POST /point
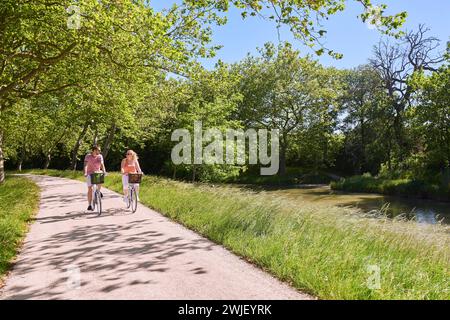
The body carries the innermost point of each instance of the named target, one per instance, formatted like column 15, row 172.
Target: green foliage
column 210, row 97
column 431, row 117
column 19, row 200
column 128, row 76
column 104, row 66
column 363, row 107
column 398, row 187
column 305, row 18
column 100, row 62
column 293, row 176
column 205, row 172
column 295, row 95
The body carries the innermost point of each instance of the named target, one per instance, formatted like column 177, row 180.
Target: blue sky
column 346, row 33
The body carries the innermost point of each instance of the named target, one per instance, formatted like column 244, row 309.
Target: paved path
column 121, row 255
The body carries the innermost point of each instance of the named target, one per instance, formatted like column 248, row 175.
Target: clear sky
column 346, row 33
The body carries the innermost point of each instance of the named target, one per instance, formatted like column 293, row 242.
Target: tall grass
column 19, row 199
column 325, row 251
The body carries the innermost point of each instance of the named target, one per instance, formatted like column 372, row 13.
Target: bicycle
column 133, row 180
column 96, row 179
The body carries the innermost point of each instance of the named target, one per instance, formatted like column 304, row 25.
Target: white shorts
column 88, row 180
column 125, row 181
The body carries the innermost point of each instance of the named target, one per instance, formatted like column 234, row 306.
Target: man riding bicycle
column 93, row 163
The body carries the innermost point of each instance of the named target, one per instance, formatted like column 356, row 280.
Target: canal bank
column 320, row 249
column 420, row 210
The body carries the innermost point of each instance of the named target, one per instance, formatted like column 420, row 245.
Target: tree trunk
column 324, row 154
column 48, row 156
column 174, row 172
column 76, row 147
column 21, row 158
column 47, row 160
column 389, row 159
column 399, row 132
column 19, row 165
column 362, row 165
column 283, row 148
column 282, row 161
column 95, row 140
column 109, row 140
column 2, row 168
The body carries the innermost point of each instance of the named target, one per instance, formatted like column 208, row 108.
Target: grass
column 19, row 199
column 324, row 251
column 397, row 187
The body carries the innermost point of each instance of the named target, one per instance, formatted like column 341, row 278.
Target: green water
column 422, row 211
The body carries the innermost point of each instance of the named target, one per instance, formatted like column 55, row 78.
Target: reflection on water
column 423, row 211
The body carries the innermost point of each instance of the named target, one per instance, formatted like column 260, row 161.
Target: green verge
column 293, row 176
column 325, row 251
column 397, row 187
column 19, row 200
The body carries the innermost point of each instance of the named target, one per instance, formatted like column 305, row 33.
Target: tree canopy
column 123, row 74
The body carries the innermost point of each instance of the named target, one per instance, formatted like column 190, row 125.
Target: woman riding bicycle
column 129, row 165
column 93, row 163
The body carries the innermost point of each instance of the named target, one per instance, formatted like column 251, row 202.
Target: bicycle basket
column 134, row 177
column 97, row 178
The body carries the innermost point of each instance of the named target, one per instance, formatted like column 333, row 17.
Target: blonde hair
column 135, row 156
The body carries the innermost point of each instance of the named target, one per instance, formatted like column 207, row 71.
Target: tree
column 362, row 103
column 395, row 63
column 431, row 117
column 210, row 97
column 43, row 48
column 286, row 92
column 40, row 53
column 304, row 17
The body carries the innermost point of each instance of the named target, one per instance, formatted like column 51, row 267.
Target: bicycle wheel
column 99, row 202
column 134, row 201
column 94, row 199
column 130, row 192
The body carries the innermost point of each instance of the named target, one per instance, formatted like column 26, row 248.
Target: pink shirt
column 93, row 163
column 129, row 168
